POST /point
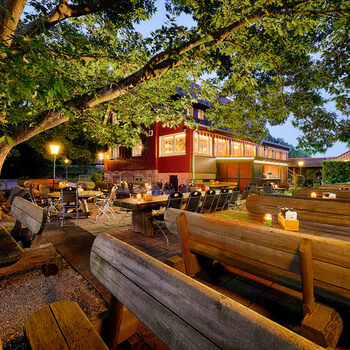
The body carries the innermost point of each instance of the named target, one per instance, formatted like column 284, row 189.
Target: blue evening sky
column 286, row 131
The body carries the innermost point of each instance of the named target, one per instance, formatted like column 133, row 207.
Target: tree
column 293, row 152
column 84, row 62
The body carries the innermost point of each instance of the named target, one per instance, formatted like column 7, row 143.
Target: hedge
column 335, row 172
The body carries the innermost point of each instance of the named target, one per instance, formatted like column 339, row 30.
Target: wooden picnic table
column 82, row 197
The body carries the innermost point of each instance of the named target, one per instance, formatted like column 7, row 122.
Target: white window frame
column 200, row 114
column 114, row 152
column 161, row 138
column 136, row 153
column 210, row 139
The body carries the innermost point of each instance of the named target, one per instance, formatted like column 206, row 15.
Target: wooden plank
column 324, row 249
column 183, row 313
column 327, row 212
column 10, row 251
column 75, row 327
column 36, row 330
column 29, row 214
column 32, row 257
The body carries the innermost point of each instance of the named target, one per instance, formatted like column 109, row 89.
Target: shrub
column 97, row 176
column 335, row 172
column 299, row 181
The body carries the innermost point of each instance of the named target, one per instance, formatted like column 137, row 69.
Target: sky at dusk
column 285, row 131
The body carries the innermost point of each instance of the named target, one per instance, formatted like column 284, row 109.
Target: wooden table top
column 85, row 194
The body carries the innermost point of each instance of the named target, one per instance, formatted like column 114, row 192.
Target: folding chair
column 232, row 202
column 104, row 204
column 244, row 196
column 193, row 201
column 69, row 200
column 168, row 188
column 208, row 201
column 221, row 202
column 253, row 187
column 49, row 203
column 156, row 191
column 174, row 201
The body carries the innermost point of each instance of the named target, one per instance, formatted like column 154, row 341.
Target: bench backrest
column 29, row 214
column 321, row 211
column 306, row 193
column 269, row 252
column 182, row 312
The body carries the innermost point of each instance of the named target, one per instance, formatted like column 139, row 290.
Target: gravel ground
column 24, row 293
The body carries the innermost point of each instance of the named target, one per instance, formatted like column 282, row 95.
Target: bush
column 97, row 176
column 335, row 172
column 299, row 181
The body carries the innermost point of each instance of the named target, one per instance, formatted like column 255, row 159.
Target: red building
column 181, row 155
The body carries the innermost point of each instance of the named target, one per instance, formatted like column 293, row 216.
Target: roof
column 309, row 162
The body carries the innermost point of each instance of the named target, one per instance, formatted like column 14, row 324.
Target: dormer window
column 200, row 114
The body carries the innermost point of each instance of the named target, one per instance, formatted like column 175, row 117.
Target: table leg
column 85, row 206
column 141, row 222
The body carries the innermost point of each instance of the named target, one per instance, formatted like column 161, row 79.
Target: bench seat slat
column 69, row 329
column 10, row 251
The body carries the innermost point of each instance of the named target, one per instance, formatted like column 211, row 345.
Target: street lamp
column 54, row 149
column 66, row 161
column 101, row 157
column 300, row 163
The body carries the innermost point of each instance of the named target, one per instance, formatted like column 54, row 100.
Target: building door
column 174, row 181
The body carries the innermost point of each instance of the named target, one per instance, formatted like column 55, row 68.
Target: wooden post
column 112, row 323
column 191, row 263
column 307, row 276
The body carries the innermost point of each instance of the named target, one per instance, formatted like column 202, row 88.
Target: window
column 221, row 147
column 174, row 144
column 250, row 150
column 190, row 112
column 283, row 155
column 236, row 149
column 261, row 151
column 114, row 152
column 202, row 145
column 137, row 149
column 200, row 114
column 269, row 153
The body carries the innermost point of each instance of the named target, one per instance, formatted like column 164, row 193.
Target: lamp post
column 54, row 149
column 66, row 161
column 300, row 163
column 101, row 157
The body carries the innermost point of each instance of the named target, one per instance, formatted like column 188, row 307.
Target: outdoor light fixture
column 301, row 163
column 54, row 149
column 313, row 195
column 100, row 157
column 66, row 161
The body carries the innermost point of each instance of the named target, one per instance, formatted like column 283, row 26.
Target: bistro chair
column 221, row 202
column 183, row 188
column 244, row 196
column 104, row 204
column 208, row 201
column 160, row 185
column 168, row 188
column 69, row 200
column 193, row 201
column 253, row 187
column 156, row 191
column 267, row 188
column 233, row 200
column 174, row 201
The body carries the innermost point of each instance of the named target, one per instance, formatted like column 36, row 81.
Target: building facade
column 182, row 155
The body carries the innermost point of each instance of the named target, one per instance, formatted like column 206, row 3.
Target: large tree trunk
column 5, row 206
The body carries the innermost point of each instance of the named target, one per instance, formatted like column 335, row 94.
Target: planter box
column 288, row 225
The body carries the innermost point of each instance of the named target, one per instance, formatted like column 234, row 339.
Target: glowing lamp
column 54, row 149
column 313, row 195
column 100, row 156
column 300, row 162
column 268, row 219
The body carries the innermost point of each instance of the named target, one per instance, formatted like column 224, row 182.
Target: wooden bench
column 180, row 311
column 14, row 258
column 320, row 211
column 306, row 193
column 311, row 264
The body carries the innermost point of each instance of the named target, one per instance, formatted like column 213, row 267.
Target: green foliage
column 97, row 176
column 293, row 152
column 335, row 172
column 299, row 181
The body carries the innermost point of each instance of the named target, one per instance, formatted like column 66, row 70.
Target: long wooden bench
column 179, row 310
column 313, row 210
column 314, row 265
column 28, row 228
column 341, row 195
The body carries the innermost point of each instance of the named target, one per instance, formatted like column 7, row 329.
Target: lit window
column 114, row 152
column 190, row 112
column 283, row 155
column 202, row 145
column 200, row 114
column 236, row 149
column 250, row 150
column 221, row 147
column 137, row 149
column 173, row 144
column 269, row 153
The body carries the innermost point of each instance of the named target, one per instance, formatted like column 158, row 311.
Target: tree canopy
column 84, row 61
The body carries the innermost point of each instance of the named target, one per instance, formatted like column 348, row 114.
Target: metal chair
column 104, row 204
column 267, row 188
column 193, row 201
column 221, row 202
column 45, row 202
column 168, row 188
column 174, row 201
column 244, row 196
column 156, row 191
column 208, row 201
column 69, row 200
column 253, row 187
column 232, row 202
column 183, row 188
